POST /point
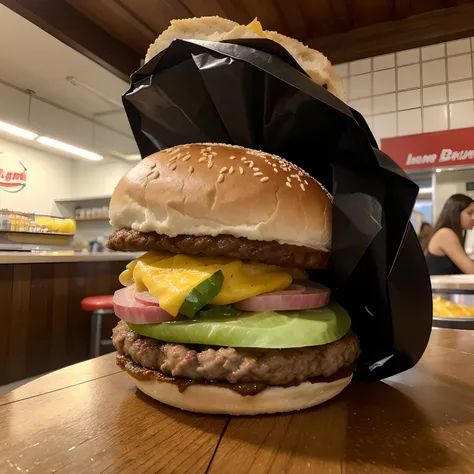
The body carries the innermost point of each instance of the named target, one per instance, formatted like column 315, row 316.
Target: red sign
column 12, row 177
column 432, row 150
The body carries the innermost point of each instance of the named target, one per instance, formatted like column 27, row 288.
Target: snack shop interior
column 73, row 124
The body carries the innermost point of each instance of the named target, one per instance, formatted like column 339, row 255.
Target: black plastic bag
column 252, row 93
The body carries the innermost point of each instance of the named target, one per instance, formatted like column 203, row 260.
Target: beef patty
column 235, row 365
column 271, row 253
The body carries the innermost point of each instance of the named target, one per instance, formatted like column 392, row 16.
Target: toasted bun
column 220, row 400
column 214, row 28
column 216, row 189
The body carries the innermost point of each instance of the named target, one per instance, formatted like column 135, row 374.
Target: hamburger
column 215, row 28
column 219, row 315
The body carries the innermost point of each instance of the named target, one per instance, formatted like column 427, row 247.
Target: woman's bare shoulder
column 445, row 232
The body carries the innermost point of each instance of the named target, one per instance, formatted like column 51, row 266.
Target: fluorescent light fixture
column 438, row 170
column 20, row 132
column 426, row 190
column 69, row 148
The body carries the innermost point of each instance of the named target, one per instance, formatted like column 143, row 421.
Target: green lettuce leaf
column 271, row 329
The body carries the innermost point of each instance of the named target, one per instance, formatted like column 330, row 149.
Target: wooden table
column 89, row 418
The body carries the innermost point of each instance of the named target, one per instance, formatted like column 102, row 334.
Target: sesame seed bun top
column 214, row 189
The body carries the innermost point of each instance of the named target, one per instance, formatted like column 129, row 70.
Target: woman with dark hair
column 446, row 254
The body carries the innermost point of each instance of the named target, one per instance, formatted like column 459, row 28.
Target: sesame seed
column 223, row 170
column 231, row 157
column 186, row 157
column 306, row 182
column 258, row 173
column 214, row 153
column 298, row 178
column 302, row 186
column 209, row 156
column 275, row 169
column 241, row 170
column 244, row 158
column 209, row 165
column 202, row 160
column 203, row 150
column 231, row 170
column 173, row 166
column 265, row 179
column 250, row 163
column 288, row 179
column 288, row 184
column 294, row 175
column 274, row 165
column 256, row 169
column 209, row 148
column 220, row 178
column 191, row 170
column 173, row 158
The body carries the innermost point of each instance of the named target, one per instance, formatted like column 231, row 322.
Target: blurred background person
column 425, row 234
column 445, row 251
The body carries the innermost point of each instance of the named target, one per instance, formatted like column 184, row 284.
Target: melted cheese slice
column 170, row 278
column 256, row 27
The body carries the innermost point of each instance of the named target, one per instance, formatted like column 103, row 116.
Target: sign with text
column 12, row 175
column 448, row 148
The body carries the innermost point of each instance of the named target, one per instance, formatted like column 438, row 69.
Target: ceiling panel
column 157, row 14
column 368, row 12
column 115, row 18
column 340, row 25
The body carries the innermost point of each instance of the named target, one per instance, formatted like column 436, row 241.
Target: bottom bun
column 220, row 400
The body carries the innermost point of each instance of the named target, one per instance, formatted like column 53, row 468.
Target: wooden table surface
column 89, row 418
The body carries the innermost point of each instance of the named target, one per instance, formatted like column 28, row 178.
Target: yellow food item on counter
column 54, row 224
column 447, row 309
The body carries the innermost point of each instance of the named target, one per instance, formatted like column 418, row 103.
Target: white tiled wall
column 418, row 90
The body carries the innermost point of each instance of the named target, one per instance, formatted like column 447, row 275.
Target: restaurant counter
column 61, row 256
column 42, row 325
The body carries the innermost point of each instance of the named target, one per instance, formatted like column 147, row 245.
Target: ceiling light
column 438, row 170
column 69, row 148
column 20, row 132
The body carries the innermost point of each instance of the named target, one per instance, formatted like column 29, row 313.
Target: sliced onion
column 146, row 298
column 314, row 296
column 126, row 307
column 291, row 290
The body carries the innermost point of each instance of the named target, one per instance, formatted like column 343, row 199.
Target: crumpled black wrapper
column 253, row 93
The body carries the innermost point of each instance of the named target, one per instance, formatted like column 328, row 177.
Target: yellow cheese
column 170, row 278
column 256, row 27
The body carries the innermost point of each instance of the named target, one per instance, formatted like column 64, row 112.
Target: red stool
column 99, row 305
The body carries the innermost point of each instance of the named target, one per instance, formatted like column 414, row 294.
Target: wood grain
column 43, row 326
column 63, row 378
column 89, row 418
column 104, row 426
column 116, row 33
column 395, row 35
column 79, row 32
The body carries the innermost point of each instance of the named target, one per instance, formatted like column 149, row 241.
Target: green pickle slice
column 270, row 329
column 201, row 294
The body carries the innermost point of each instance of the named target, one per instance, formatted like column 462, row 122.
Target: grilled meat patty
column 271, row 366
column 271, row 253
